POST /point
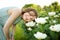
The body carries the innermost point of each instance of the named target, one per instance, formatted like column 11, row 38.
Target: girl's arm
column 9, row 22
column 13, row 31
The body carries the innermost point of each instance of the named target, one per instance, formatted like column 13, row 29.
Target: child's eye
column 31, row 14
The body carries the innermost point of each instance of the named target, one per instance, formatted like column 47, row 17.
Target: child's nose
column 31, row 17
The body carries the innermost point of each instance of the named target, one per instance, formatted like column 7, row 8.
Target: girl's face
column 29, row 16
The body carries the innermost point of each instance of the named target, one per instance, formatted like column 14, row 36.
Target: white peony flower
column 30, row 24
column 40, row 35
column 54, row 21
column 56, row 15
column 41, row 20
column 46, row 17
column 29, row 29
column 55, row 28
column 51, row 13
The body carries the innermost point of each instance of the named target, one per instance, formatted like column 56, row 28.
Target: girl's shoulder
column 16, row 10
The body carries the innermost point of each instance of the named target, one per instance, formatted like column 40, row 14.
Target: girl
column 10, row 16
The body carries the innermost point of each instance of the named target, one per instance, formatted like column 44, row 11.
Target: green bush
column 22, row 34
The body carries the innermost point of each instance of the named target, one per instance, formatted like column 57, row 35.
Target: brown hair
column 28, row 10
